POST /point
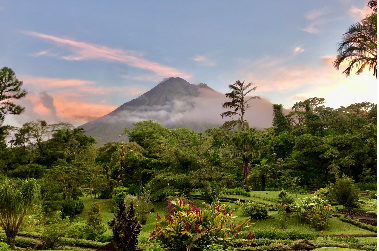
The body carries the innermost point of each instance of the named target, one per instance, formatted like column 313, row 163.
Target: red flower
column 187, row 226
column 230, row 213
column 248, row 236
column 325, row 218
column 342, row 234
column 158, row 216
column 221, row 225
column 180, row 202
column 251, row 237
column 218, row 208
column 322, row 232
column 198, row 229
column 239, row 229
column 223, row 235
column 200, row 219
column 282, row 203
column 291, row 212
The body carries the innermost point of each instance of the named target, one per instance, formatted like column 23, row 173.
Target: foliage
column 359, row 46
column 344, row 192
column 125, row 228
column 239, row 103
column 255, row 210
column 236, row 191
column 95, row 226
column 10, row 89
column 285, row 198
column 119, row 193
column 55, row 228
column 70, row 208
column 313, row 210
column 323, row 193
column 274, row 234
column 217, row 247
column 17, row 198
column 189, row 228
column 4, row 246
column 142, row 205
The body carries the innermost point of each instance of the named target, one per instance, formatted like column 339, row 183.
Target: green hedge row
column 358, row 224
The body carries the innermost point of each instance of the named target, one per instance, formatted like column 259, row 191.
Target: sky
column 80, row 60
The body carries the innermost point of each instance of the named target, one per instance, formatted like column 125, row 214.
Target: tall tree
column 10, row 89
column 239, row 103
column 359, row 45
column 17, row 197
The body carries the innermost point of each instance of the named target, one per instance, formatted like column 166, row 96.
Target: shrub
column 4, row 246
column 217, row 247
column 54, row 231
column 284, row 197
column 70, row 208
column 188, row 228
column 119, row 193
column 274, row 234
column 255, row 210
column 211, row 191
column 76, row 230
column 236, row 191
column 313, row 210
column 323, row 193
column 142, row 205
column 95, row 226
column 344, row 192
column 125, row 228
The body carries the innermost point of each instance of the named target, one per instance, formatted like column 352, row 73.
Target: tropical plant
column 313, row 210
column 255, row 210
column 95, row 226
column 192, row 228
column 17, row 198
column 125, row 228
column 239, row 103
column 359, row 45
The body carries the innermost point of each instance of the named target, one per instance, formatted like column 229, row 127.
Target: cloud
column 202, row 110
column 298, row 49
column 203, row 60
column 44, row 82
column 323, row 80
column 48, row 102
column 59, row 107
column 359, row 14
column 149, row 77
column 317, row 13
column 85, row 51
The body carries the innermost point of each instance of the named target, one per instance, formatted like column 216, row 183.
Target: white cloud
column 298, row 49
column 203, row 60
column 317, row 13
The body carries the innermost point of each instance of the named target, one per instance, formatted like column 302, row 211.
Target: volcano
column 173, row 103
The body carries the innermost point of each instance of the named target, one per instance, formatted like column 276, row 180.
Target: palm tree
column 359, row 45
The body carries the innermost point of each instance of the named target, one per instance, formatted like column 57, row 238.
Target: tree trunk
column 245, row 169
column 11, row 239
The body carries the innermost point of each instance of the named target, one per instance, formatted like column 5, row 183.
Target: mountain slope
column 174, row 103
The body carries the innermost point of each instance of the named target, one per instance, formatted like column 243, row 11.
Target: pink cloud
column 203, row 60
column 359, row 14
column 54, row 82
column 86, row 51
column 317, row 13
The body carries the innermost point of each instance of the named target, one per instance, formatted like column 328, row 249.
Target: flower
column 342, row 234
column 322, row 232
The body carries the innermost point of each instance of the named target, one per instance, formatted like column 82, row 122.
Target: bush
column 125, row 228
column 344, row 192
column 76, row 230
column 55, row 228
column 119, row 193
column 236, row 191
column 255, row 210
column 187, row 228
column 4, row 246
column 282, row 235
column 284, row 197
column 70, row 208
column 95, row 226
column 217, row 247
column 323, row 193
column 211, row 191
column 313, row 210
column 142, row 203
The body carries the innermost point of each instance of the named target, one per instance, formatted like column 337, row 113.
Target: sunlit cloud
column 317, row 13
column 43, row 53
column 298, row 49
column 86, row 51
column 203, row 60
column 359, row 14
column 323, row 80
column 43, row 82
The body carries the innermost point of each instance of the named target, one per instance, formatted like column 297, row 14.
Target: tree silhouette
column 359, row 45
column 239, row 103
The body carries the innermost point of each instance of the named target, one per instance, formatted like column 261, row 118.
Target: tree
column 239, row 103
column 10, row 89
column 359, row 45
column 17, row 198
